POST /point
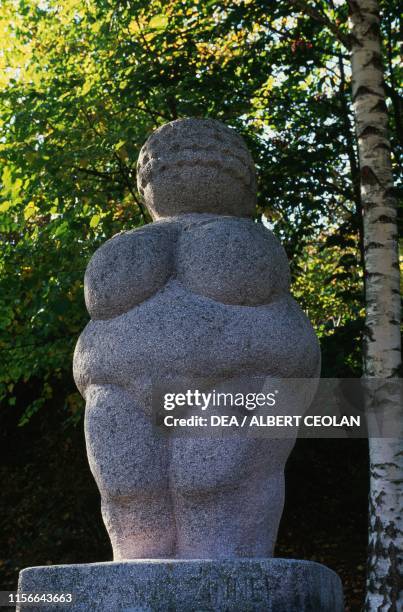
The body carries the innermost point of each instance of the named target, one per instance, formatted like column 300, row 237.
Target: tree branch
column 319, row 16
column 123, row 169
column 106, row 176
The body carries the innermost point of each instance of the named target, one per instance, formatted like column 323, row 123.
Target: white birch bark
column 382, row 335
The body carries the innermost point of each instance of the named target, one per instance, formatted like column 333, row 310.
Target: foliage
column 328, row 285
column 85, row 81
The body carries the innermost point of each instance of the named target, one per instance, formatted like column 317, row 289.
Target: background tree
column 382, row 355
column 83, row 86
column 380, row 260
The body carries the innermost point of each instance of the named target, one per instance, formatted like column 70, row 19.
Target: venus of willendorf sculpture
column 203, row 291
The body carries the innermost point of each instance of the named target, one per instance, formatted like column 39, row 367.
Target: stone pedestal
column 244, row 585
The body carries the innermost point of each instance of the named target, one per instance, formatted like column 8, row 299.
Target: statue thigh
column 130, row 465
column 228, row 495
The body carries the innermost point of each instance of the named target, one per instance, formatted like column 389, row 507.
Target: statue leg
column 228, row 496
column 130, row 465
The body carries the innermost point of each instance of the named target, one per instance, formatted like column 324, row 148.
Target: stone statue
column 203, row 291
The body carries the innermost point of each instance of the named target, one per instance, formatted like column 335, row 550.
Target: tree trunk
column 382, row 335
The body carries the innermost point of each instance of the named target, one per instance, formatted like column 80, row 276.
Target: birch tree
column 382, row 358
column 382, row 343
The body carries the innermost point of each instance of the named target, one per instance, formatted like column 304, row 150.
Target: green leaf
column 4, row 206
column 158, row 22
column 119, row 145
column 95, row 219
column 61, row 230
column 30, row 210
column 86, row 87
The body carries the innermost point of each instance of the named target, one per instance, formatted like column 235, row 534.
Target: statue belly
column 180, row 334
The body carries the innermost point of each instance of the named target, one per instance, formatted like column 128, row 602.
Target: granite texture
column 196, row 165
column 267, row 585
column 193, row 295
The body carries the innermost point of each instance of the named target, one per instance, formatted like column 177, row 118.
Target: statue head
column 196, row 166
